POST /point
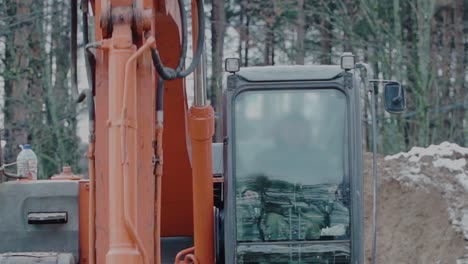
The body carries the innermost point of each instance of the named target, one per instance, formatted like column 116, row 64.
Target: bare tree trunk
column 37, row 84
column 434, row 93
column 446, row 51
column 218, row 28
column 410, row 39
column 459, row 89
column 425, row 11
column 365, row 109
column 325, row 42
column 267, row 53
column 350, row 6
column 241, row 28
column 18, row 80
column 59, row 99
column 300, row 33
column 247, row 39
column 37, row 130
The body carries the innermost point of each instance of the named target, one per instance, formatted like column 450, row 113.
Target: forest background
column 422, row 43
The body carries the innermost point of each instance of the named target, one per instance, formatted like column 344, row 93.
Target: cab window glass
column 290, row 165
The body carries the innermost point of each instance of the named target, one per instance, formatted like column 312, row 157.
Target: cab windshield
column 291, row 168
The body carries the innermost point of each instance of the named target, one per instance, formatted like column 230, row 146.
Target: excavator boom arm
column 144, row 179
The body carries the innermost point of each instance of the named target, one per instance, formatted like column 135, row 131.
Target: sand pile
column 423, row 210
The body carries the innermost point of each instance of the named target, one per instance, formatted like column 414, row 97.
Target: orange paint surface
column 177, row 207
column 84, row 225
column 201, row 127
column 176, row 211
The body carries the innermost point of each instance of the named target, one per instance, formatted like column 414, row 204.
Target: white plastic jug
column 27, row 163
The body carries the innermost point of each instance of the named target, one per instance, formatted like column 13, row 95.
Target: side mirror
column 394, row 98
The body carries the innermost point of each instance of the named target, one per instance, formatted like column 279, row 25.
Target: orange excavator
column 284, row 186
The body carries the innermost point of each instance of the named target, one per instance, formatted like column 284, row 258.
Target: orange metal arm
column 146, row 207
column 92, row 203
column 120, row 43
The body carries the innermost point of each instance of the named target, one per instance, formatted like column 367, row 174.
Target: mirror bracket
column 394, row 94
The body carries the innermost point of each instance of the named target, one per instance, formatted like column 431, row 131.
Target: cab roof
column 290, row 73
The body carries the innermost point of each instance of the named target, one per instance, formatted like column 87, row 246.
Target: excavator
column 283, row 186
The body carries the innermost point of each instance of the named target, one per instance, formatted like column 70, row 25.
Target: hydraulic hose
column 84, row 7
column 160, row 94
column 74, row 48
column 183, row 55
column 168, row 73
column 90, row 60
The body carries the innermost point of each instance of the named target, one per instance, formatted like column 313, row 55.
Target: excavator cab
column 293, row 170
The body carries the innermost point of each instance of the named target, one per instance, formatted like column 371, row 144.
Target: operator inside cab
column 291, row 166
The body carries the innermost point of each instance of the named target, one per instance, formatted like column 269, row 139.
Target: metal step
column 170, row 246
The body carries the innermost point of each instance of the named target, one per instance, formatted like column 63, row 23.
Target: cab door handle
column 42, row 218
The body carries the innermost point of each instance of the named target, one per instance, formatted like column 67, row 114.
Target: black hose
column 74, row 47
column 200, row 40
column 183, row 54
column 84, row 8
column 165, row 72
column 160, row 95
column 90, row 59
column 168, row 73
column 91, row 114
column 90, row 62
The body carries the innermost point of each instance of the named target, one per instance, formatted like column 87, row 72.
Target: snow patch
column 463, row 260
column 464, row 224
column 410, row 178
column 452, row 165
column 463, row 180
column 445, row 149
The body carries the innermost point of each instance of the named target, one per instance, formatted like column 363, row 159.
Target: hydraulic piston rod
column 201, row 129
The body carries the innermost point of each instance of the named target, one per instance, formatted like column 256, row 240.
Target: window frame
column 346, row 169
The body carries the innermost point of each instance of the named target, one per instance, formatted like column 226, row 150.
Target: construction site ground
column 423, row 206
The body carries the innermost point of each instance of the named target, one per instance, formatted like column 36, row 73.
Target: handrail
column 150, row 43
column 3, row 172
column 189, row 256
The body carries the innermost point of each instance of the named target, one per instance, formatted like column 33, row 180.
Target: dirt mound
column 423, row 206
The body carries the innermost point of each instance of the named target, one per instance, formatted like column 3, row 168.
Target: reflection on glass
column 290, row 166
